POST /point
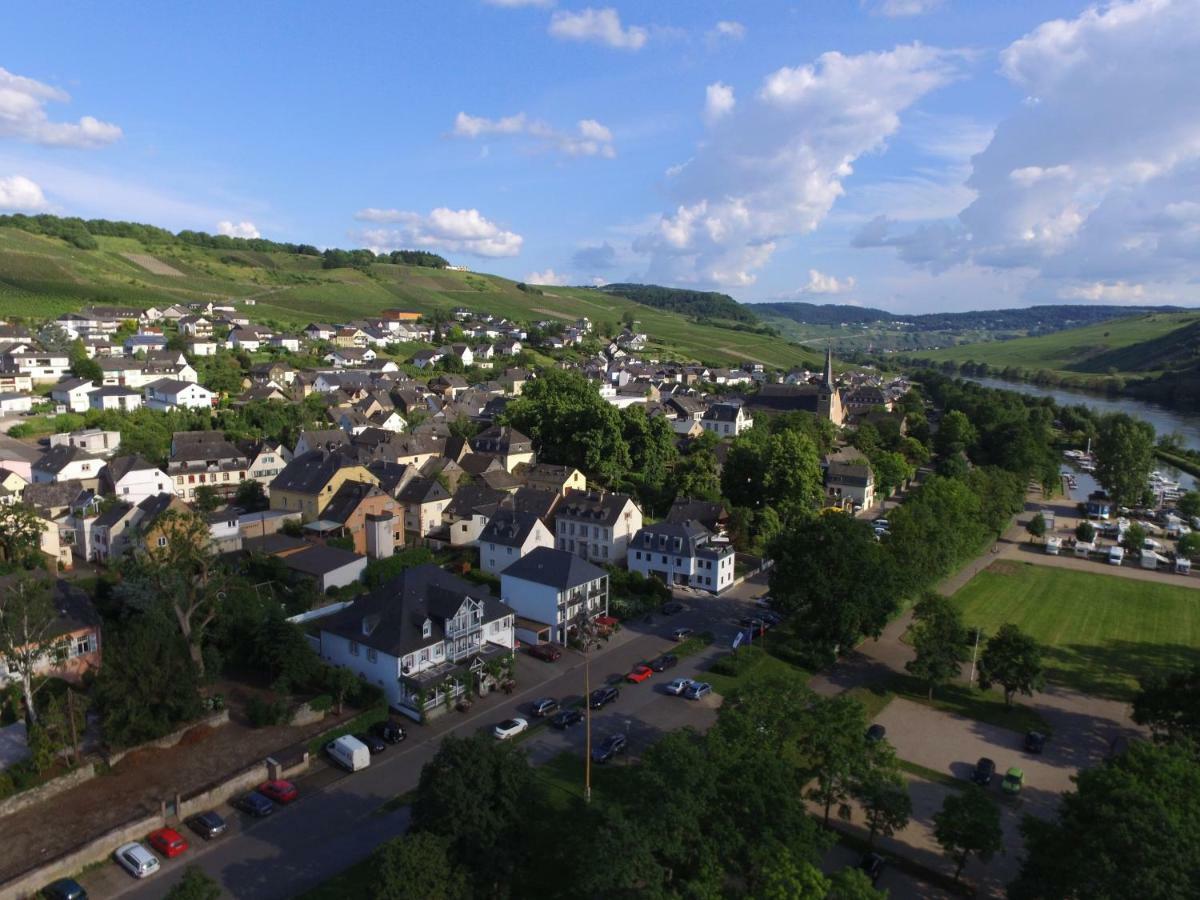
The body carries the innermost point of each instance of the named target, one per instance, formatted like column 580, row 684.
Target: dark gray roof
column 722, row 412
column 509, row 528
column 501, row 439
column 704, row 511
column 11, row 448
column 59, row 495
column 422, row 490
column 318, row 560
column 347, row 499
column 474, row 498
column 593, row 507
column 113, row 514
column 311, row 471
column 555, row 568
column 58, row 458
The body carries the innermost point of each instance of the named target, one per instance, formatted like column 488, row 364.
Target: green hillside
column 1143, row 343
column 43, row 276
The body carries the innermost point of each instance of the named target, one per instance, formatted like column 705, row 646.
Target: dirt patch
column 557, row 315
column 152, row 265
column 1006, row 567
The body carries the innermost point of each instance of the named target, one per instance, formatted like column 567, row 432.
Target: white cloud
column 549, row 276
column 776, row 165
column 19, row 193
column 602, row 26
column 1081, row 184
column 23, row 116
column 516, row 4
column 590, row 138
column 820, row 283
column 241, row 229
column 453, row 230
column 718, row 101
column 726, row 30
column 1101, row 292
column 895, row 9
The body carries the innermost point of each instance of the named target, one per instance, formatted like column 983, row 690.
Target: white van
column 1083, row 549
column 1150, row 559
column 349, row 752
column 1116, row 556
column 1053, row 546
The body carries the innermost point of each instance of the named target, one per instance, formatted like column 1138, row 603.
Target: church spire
column 829, row 367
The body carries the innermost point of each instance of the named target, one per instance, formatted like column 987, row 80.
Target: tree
column 250, row 496
column 1037, row 526
column 939, row 638
column 1189, row 504
column 206, row 498
column 1189, row 545
column 885, row 802
column 195, row 885
column 968, row 824
column 832, row 745
column 891, row 471
column 1130, row 829
column 418, row 866
column 1134, row 538
column 340, row 682
column 1124, row 457
column 29, row 634
column 1170, row 705
column 1012, row 660
column 182, row 571
column 1085, row 532
column 695, row 476
column 83, row 366
column 64, row 721
column 652, row 451
column 20, row 535
column 853, row 884
column 955, row 435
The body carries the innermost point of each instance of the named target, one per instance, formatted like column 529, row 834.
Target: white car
column 509, row 728
column 136, row 860
column 678, row 686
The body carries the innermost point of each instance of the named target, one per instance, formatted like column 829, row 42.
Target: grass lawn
column 1100, row 633
column 766, row 668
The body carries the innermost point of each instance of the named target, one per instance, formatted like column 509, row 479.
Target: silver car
column 698, row 689
column 679, row 686
column 136, row 860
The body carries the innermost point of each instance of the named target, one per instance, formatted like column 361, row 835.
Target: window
column 427, row 629
column 125, row 490
column 354, row 648
column 509, row 549
column 162, row 541
column 84, row 644
column 425, row 655
column 371, row 654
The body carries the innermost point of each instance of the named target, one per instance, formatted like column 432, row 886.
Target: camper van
column 1150, row 559
column 1084, row 549
column 1183, row 565
column 1116, row 555
column 1053, row 546
column 349, row 752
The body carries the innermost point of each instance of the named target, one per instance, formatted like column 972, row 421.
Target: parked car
column 1035, row 742
column 682, row 634
column 389, row 731
column 208, row 825
column 664, row 662
column 763, row 602
column 639, row 673
column 603, row 696
column 373, row 742
column 254, row 804
column 509, row 728
column 545, row 652
column 168, row 842
column 565, row 718
column 771, row 618
column 671, row 607
column 136, row 860
column 697, row 689
column 881, row 523
column 279, row 791
column 1014, row 778
column 875, row 734
column 679, row 686
column 546, row 706
column 872, row 865
column 983, row 772
column 608, row 748
column 64, row 889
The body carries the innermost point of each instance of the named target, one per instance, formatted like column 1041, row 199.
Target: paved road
column 337, row 820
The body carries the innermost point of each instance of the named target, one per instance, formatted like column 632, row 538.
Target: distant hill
column 49, row 266
column 706, row 304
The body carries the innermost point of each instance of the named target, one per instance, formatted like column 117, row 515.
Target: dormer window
column 427, row 629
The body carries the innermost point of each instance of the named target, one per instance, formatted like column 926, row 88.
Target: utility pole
column 974, row 655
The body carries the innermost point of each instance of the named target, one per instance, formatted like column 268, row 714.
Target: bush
column 364, row 695
column 321, row 703
column 739, row 662
column 263, row 713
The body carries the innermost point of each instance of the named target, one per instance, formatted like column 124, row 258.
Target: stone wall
column 17, row 802
column 214, row 721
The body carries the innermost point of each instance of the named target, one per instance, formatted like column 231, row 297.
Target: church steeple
column 828, row 382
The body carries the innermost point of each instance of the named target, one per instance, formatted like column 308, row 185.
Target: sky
column 914, row 155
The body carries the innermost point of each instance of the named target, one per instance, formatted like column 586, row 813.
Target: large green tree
column 652, row 452
column 195, row 885
column 1124, row 457
column 1129, row 831
column 1169, row 705
column 1013, row 660
column 939, row 638
column 418, row 866
column 20, row 535
column 967, row 825
column 833, row 748
column 29, row 633
column 883, row 795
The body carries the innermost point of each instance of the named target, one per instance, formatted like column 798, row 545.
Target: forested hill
column 703, row 304
column 1032, row 320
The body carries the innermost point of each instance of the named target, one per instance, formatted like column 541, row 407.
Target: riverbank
column 1183, row 463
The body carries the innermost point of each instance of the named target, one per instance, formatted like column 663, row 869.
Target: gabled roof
column 509, row 528
column 309, row 472
column 347, row 499
column 592, row 506
column 554, row 568
column 113, row 514
column 471, row 499
column 58, row 458
column 123, row 465
column 422, row 490
column 703, row 511
column 722, row 412
column 501, row 439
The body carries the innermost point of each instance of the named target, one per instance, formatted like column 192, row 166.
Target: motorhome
column 1116, row 555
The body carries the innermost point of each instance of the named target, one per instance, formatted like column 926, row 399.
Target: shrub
column 263, row 713
column 739, row 662
column 321, row 703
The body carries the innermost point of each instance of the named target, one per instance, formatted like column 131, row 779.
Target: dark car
column 872, row 865
column 64, row 889
column 254, row 804
column 565, row 718
column 984, row 772
column 603, row 696
column 664, row 662
column 545, row 652
column 546, row 706
column 875, row 734
column 389, row 731
column 671, row 607
column 207, row 824
column 1035, row 742
column 608, row 748
column 373, row 742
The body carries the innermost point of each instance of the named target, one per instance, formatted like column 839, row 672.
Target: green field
column 43, row 276
column 1093, row 348
column 1101, row 633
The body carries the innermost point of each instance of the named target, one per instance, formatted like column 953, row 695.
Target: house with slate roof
column 551, row 592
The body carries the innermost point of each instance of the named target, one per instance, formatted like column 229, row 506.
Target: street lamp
column 584, row 629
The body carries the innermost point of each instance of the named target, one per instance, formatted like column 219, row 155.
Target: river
column 1164, row 420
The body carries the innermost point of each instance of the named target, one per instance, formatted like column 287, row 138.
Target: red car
column 640, row 673
column 282, row 792
column 545, row 652
column 168, row 842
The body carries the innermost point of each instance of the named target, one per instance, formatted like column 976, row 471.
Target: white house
column 202, row 346
column 726, row 419
column 596, row 525
column 424, row 638
column 683, row 553
column 42, row 366
column 133, row 479
column 119, row 398
column 73, row 393
column 15, row 404
column 64, row 462
column 167, row 393
column 509, row 536
column 93, row 440
column 550, row 591
column 849, row 480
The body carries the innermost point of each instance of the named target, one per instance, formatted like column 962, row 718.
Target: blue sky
column 911, row 154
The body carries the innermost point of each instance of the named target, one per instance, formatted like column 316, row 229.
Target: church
column 823, row 398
